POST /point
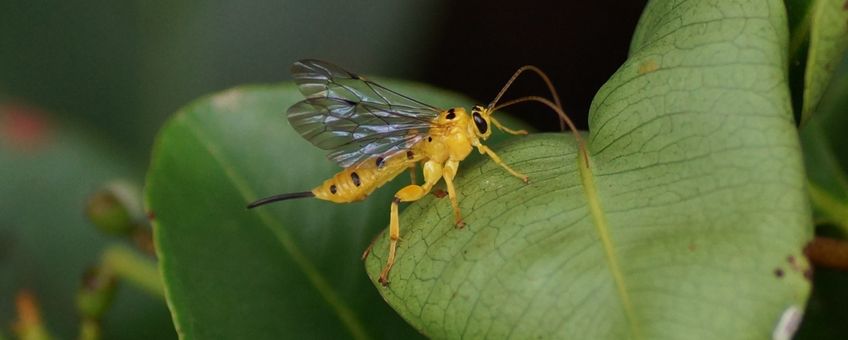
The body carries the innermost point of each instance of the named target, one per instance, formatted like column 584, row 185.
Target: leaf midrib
column 345, row 314
column 602, row 228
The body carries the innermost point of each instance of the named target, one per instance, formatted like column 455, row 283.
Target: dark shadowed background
column 123, row 67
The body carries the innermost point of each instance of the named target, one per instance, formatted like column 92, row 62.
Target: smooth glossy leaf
column 688, row 223
column 288, row 270
column 48, row 169
column 828, row 44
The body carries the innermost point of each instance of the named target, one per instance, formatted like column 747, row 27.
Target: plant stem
column 835, row 211
column 828, row 252
column 136, row 269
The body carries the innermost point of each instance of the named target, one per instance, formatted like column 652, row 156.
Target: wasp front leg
column 506, row 129
column 410, row 193
column 485, row 150
column 448, row 174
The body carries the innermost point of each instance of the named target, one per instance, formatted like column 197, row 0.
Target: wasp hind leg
column 410, row 193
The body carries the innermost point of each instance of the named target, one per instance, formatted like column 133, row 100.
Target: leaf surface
column 688, row 222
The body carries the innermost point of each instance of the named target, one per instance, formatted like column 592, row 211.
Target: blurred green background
column 84, row 85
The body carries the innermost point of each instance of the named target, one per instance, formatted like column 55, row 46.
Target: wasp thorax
column 451, row 114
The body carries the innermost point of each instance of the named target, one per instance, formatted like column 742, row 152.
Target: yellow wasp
column 375, row 134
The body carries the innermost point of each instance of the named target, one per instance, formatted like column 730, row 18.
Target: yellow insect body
column 357, row 182
column 447, row 140
column 376, row 134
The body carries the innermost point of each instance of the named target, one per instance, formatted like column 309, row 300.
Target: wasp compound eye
column 481, row 124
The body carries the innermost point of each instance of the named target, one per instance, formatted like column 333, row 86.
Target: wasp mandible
column 375, row 134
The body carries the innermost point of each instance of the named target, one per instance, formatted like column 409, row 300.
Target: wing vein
column 352, row 117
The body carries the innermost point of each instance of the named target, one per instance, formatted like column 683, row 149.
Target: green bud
column 115, row 209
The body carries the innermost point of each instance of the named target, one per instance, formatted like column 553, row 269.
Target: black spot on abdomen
column 355, row 177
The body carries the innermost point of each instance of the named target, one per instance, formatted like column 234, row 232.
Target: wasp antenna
column 492, row 105
column 280, row 197
column 517, row 73
column 558, row 109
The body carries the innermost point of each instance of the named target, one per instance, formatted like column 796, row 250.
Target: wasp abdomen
column 359, row 181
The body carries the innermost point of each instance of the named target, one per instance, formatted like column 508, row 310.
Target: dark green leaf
column 828, row 44
column 289, row 270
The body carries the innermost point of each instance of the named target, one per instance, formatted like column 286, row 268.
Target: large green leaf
column 828, row 44
column 48, row 169
column 291, row 269
column 689, row 221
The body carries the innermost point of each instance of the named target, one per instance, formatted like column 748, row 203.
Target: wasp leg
column 412, row 174
column 410, row 193
column 371, row 245
column 485, row 150
column 506, row 129
column 449, row 173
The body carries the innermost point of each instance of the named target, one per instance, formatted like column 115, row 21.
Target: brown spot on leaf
column 778, row 272
column 648, row 66
column 692, row 246
column 151, row 216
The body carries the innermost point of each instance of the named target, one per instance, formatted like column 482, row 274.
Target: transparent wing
column 354, row 118
column 319, row 79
